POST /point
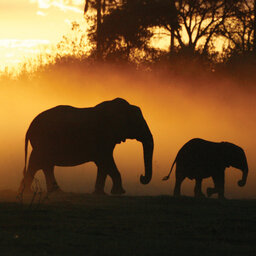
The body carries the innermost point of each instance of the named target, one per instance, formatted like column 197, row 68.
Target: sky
column 30, row 26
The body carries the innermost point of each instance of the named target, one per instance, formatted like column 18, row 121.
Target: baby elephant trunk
column 242, row 182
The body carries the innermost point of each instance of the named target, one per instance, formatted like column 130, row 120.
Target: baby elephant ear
column 225, row 154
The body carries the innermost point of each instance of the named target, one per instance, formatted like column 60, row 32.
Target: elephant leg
column 179, row 180
column 116, row 178
column 211, row 191
column 221, row 182
column 108, row 167
column 100, row 181
column 34, row 165
column 198, row 188
column 51, row 182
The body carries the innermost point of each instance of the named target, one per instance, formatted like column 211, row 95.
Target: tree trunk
column 172, row 40
column 172, row 29
column 254, row 27
column 98, row 32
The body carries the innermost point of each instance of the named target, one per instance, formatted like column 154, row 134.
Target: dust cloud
column 176, row 110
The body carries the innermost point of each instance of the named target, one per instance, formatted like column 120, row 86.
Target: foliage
column 194, row 26
column 125, row 30
column 200, row 21
column 238, row 29
column 74, row 43
column 127, row 27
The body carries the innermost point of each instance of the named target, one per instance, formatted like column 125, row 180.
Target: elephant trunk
column 148, row 147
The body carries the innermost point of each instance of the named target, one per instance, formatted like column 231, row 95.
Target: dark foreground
column 78, row 224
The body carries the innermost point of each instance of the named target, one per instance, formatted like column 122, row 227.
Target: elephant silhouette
column 199, row 159
column 69, row 136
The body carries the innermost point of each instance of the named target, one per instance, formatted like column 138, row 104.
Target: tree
column 126, row 29
column 123, row 28
column 200, row 21
column 254, row 26
column 239, row 28
column 192, row 24
column 100, row 6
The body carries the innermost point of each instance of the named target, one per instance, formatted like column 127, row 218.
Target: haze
column 175, row 109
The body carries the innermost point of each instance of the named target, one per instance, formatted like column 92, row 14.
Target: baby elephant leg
column 211, row 191
column 198, row 188
column 179, row 179
column 219, row 181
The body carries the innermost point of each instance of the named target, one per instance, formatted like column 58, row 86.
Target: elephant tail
column 26, row 153
column 168, row 176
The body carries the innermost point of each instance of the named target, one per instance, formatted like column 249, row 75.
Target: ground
column 82, row 224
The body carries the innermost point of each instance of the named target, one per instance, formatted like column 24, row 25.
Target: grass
column 82, row 224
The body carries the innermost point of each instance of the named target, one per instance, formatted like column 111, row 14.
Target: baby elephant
column 199, row 159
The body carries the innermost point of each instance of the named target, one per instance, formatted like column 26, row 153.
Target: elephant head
column 235, row 157
column 125, row 121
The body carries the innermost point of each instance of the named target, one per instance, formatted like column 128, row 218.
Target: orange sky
column 29, row 26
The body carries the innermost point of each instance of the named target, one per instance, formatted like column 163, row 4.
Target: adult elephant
column 69, row 136
column 199, row 159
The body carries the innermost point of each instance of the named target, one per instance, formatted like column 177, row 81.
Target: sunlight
column 174, row 111
column 18, row 43
column 99, row 98
column 62, row 5
column 17, row 51
column 185, row 112
column 40, row 13
column 38, row 41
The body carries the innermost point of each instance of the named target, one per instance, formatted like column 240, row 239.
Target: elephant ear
column 114, row 119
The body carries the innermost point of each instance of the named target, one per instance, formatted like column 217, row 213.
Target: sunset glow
column 174, row 112
column 31, row 27
column 176, row 108
column 127, row 127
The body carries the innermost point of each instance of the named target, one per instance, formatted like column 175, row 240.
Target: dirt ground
column 83, row 224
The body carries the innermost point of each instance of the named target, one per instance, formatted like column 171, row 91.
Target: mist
column 177, row 109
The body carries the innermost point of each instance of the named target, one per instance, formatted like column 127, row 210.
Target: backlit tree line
column 123, row 29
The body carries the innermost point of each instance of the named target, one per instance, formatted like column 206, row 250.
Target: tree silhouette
column 254, row 26
column 100, row 7
column 200, row 20
column 127, row 28
column 239, row 28
column 123, row 28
